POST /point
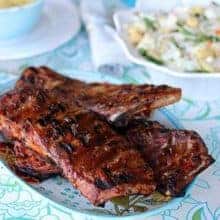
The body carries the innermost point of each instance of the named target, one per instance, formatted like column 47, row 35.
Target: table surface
column 17, row 202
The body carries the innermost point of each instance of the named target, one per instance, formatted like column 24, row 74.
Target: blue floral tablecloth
column 17, row 202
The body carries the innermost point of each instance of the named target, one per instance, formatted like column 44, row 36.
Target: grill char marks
column 78, row 141
column 26, row 162
column 116, row 103
column 176, row 156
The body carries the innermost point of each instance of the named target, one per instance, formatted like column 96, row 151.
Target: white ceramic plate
column 59, row 22
column 60, row 191
column 201, row 86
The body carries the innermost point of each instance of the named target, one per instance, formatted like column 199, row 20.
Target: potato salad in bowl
column 185, row 39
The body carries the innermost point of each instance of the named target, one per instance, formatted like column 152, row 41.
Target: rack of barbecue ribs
column 116, row 103
column 63, row 126
column 92, row 156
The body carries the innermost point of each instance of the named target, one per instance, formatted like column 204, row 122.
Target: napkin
column 97, row 16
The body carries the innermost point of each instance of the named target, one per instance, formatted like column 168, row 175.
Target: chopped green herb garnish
column 176, row 44
column 214, row 38
column 180, row 23
column 150, row 23
column 197, row 37
column 198, row 71
column 184, row 30
column 149, row 57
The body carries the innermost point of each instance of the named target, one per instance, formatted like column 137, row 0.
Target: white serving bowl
column 198, row 86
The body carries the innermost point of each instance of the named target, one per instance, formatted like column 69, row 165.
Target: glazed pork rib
column 94, row 158
column 173, row 171
column 27, row 163
column 176, row 156
column 116, row 103
column 168, row 182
